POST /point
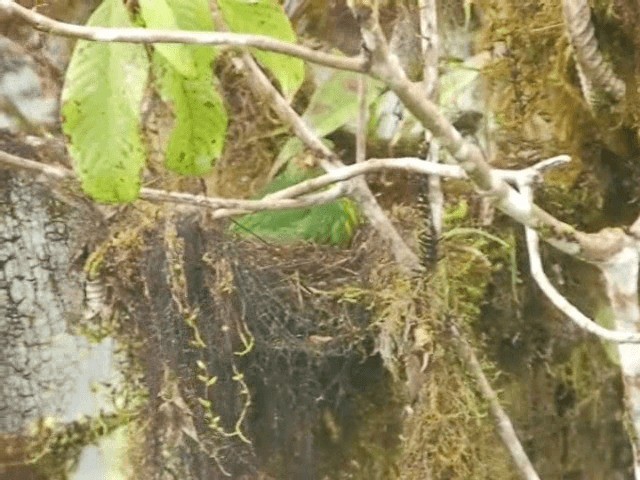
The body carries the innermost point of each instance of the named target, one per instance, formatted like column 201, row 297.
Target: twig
column 240, row 206
column 502, row 421
column 416, row 165
column 560, row 302
column 49, row 171
column 143, row 35
column 363, row 119
column 244, row 206
column 429, row 43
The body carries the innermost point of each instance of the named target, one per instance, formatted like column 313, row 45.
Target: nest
column 256, row 359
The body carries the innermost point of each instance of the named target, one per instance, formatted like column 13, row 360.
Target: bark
column 40, row 295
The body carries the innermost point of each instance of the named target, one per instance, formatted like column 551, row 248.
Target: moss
column 540, row 108
column 55, row 447
column 446, row 431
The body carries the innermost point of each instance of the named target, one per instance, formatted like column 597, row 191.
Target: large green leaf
column 101, row 98
column 193, row 15
column 333, row 223
column 332, row 105
column 335, row 102
column 200, row 124
column 267, row 17
column 158, row 14
column 200, row 117
column 454, row 85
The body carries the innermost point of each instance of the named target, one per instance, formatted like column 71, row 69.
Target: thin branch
column 341, row 174
column 49, row 171
column 429, row 43
column 344, row 173
column 244, row 206
column 560, row 302
column 363, row 119
column 144, row 35
column 416, row 165
column 239, row 206
column 502, row 421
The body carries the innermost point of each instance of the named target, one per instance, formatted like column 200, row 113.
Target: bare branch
column 244, row 206
column 363, row 118
column 560, row 302
column 49, row 171
column 239, row 206
column 416, row 165
column 502, row 421
column 429, row 43
column 410, row 164
column 144, row 35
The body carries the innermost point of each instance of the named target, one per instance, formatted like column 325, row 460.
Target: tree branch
column 429, row 44
column 336, row 175
column 558, row 300
column 144, row 35
column 241, row 206
column 502, row 421
column 362, row 121
column 283, row 201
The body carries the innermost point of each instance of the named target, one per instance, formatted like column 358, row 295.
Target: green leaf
column 332, row 105
column 335, row 102
column 267, row 17
column 101, row 98
column 191, row 15
column 158, row 14
column 197, row 138
column 453, row 85
column 294, row 147
column 200, row 119
column 333, row 223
